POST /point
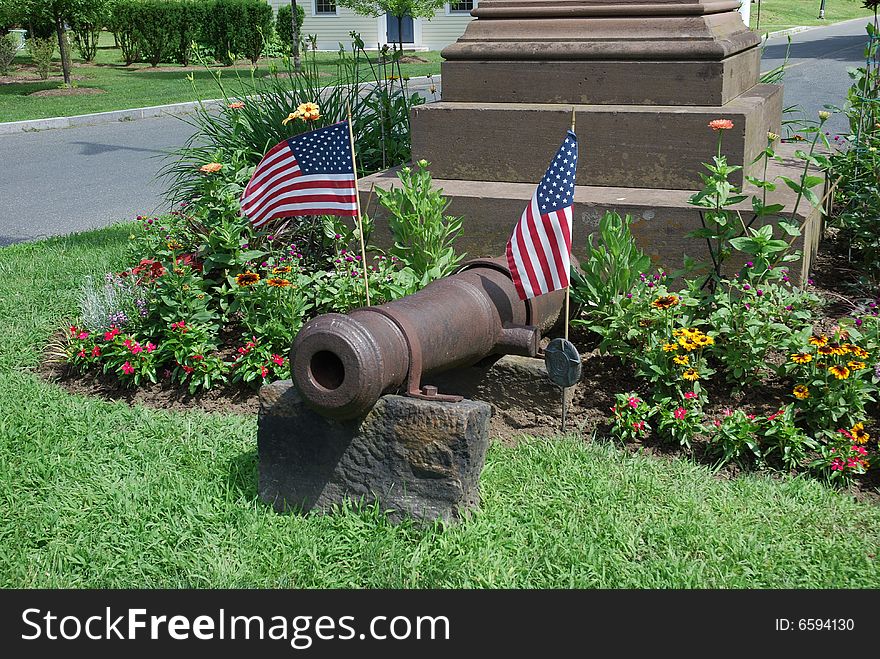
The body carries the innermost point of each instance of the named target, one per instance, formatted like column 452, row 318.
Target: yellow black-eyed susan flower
column 856, row 366
column 670, row 347
column 665, row 302
column 858, row 433
column 801, row 391
column 861, row 353
column 840, row 372
column 691, row 374
column 802, row 358
column 247, row 278
column 278, row 282
column 819, row 341
column 281, row 270
column 681, row 360
column 825, row 350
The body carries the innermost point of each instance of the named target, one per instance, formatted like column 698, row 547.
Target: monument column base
column 662, row 217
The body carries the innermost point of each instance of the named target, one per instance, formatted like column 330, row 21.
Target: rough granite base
column 419, row 459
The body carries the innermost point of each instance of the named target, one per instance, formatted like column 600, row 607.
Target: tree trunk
column 400, row 33
column 297, row 62
column 62, row 48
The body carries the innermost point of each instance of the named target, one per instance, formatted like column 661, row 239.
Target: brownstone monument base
column 662, row 217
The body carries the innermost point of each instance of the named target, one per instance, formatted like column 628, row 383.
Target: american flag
column 311, row 174
column 539, row 251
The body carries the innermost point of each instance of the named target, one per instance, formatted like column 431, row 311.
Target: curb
column 172, row 109
column 793, row 30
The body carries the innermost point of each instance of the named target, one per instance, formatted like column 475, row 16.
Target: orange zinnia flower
column 721, row 124
column 211, row 168
column 309, row 111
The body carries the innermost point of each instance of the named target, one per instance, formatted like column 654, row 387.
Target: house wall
column 433, row 34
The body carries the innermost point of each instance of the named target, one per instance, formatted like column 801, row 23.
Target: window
column 325, row 8
column 460, row 6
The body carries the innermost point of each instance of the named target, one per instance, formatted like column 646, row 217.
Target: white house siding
column 443, row 30
column 435, row 34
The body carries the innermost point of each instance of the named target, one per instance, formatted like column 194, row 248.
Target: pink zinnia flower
column 127, row 368
column 721, row 124
column 680, row 413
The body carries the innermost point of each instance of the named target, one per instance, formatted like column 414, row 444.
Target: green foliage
column 629, row 417
column 284, row 24
column 8, row 50
column 234, row 27
column 256, row 29
column 124, row 24
column 736, row 438
column 158, row 30
column 856, row 165
column 190, row 18
column 610, row 268
column 41, row 51
column 679, row 421
column 86, row 22
column 396, row 8
column 423, row 235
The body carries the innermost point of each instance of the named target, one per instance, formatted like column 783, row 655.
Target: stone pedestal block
column 636, row 146
column 419, row 459
column 518, row 389
column 662, row 217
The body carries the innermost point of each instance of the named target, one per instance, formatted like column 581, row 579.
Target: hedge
column 164, row 30
column 284, row 26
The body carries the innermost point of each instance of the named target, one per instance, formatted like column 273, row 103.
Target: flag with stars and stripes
column 310, row 174
column 539, row 251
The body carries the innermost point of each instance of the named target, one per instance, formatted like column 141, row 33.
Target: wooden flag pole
column 357, row 196
column 568, row 288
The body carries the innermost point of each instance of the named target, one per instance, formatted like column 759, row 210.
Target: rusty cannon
column 342, row 364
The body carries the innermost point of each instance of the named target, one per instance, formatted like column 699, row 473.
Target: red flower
column 680, row 413
column 264, row 371
column 278, row 359
column 198, row 358
column 690, row 395
column 150, row 346
column 861, row 450
column 83, row 335
column 112, row 334
column 837, row 464
column 136, row 348
column 187, row 369
column 721, row 124
column 180, row 325
column 82, row 354
column 96, row 351
column 639, row 425
column 73, row 330
column 127, row 368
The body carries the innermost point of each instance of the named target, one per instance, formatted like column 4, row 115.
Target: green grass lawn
column 139, row 85
column 784, row 14
column 100, row 494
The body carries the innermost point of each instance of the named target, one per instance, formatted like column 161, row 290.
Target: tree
column 58, row 14
column 397, row 8
column 288, row 29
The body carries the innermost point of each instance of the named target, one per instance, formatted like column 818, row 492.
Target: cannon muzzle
column 342, row 364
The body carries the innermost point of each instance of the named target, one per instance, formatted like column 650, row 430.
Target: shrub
column 255, row 30
column 86, row 22
column 190, row 18
column 630, row 417
column 158, row 29
column 41, row 51
column 8, row 50
column 124, row 24
column 284, row 26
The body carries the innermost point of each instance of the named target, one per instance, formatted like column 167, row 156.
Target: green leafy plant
column 785, row 443
column 609, row 270
column 8, row 51
column 629, row 417
column 423, row 236
column 41, row 50
column 679, row 421
column 735, row 437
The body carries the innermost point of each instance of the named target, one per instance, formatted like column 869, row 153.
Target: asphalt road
column 61, row 181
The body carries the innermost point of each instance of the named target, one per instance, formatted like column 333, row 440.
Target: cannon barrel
column 342, row 364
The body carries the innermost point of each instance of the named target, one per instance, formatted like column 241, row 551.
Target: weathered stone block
column 419, row 459
column 633, row 146
column 517, row 388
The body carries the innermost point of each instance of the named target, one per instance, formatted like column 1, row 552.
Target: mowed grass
column 783, row 14
column 139, row 85
column 100, row 494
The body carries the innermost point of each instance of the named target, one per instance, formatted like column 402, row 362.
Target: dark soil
column 69, row 91
column 413, row 59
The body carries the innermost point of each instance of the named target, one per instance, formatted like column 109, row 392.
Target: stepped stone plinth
column 644, row 77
